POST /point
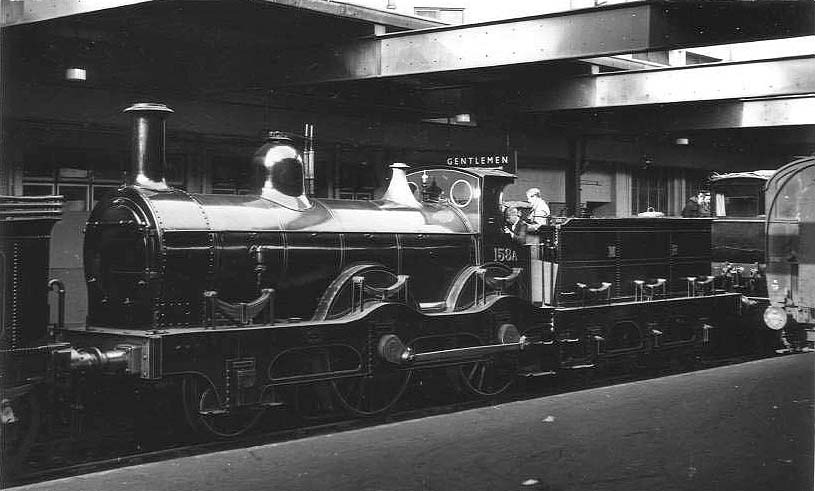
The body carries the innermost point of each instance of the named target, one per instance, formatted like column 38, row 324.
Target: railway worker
column 514, row 226
column 704, row 204
column 540, row 210
column 692, row 208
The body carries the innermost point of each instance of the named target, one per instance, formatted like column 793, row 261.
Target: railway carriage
column 737, row 201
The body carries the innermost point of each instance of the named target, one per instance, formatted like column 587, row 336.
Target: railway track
column 119, row 444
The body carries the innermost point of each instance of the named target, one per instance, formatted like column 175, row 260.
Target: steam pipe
column 94, row 358
column 148, row 160
column 308, row 158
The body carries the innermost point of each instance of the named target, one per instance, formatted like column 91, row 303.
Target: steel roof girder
column 718, row 81
column 24, row 12
column 517, row 41
column 16, row 12
column 571, row 35
column 753, row 113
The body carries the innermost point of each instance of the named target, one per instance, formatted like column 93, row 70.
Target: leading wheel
column 206, row 415
column 20, row 425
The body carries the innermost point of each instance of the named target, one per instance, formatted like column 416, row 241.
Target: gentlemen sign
column 478, row 160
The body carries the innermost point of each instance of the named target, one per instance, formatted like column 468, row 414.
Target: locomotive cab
column 476, row 193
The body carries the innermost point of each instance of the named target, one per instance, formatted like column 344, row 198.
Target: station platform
column 740, row 427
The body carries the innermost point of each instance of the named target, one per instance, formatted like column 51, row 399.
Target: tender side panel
column 620, row 251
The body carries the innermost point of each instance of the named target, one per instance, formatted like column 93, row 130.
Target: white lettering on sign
column 504, row 255
column 478, row 160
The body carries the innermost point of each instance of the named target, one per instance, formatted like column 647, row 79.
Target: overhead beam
column 758, row 113
column 744, row 114
column 617, row 29
column 26, row 11
column 719, row 81
column 17, row 12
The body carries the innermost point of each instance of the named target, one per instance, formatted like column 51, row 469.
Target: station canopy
column 590, row 70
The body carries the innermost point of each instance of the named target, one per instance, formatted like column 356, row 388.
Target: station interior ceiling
column 242, row 52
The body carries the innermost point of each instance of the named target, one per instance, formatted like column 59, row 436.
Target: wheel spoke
column 201, row 407
column 472, row 371
column 482, row 375
column 487, row 378
column 374, row 394
column 361, row 399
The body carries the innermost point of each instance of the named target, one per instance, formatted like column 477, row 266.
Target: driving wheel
column 375, row 391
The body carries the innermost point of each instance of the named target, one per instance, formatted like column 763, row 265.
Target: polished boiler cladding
column 150, row 256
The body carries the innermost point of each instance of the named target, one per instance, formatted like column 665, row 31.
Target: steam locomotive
column 790, row 246
column 238, row 301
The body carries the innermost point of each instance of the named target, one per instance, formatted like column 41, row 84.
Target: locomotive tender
column 26, row 349
column 241, row 300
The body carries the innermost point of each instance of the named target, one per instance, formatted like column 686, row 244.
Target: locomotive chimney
column 399, row 191
column 147, row 145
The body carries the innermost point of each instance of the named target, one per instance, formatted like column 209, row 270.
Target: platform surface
column 741, row 427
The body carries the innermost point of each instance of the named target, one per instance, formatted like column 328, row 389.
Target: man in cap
column 540, row 210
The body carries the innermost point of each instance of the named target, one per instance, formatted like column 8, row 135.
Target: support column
column 11, row 166
column 573, row 172
column 6, row 173
column 207, row 171
column 676, row 195
column 622, row 191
